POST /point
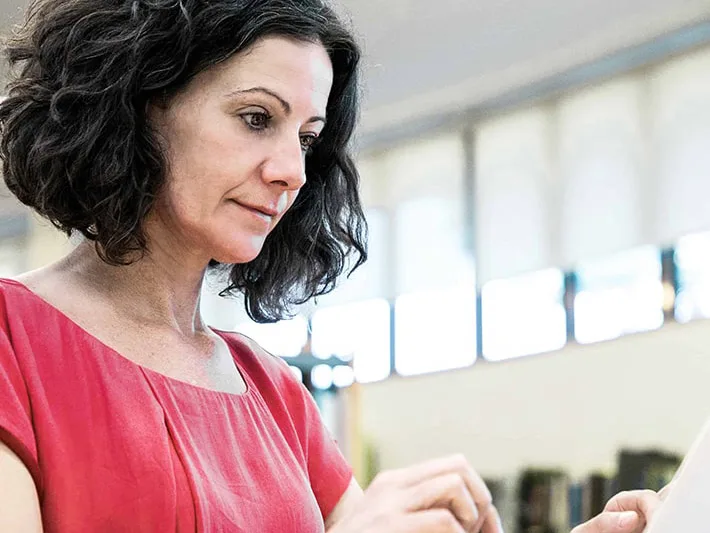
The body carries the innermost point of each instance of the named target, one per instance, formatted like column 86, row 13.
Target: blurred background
column 536, row 177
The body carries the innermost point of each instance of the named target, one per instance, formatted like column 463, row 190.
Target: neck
column 159, row 290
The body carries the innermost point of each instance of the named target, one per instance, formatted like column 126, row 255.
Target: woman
column 177, row 136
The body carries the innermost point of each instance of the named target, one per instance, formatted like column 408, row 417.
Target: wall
column 572, row 409
column 45, row 244
column 38, row 244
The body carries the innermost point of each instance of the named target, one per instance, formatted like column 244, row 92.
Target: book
column 543, row 497
column 596, row 491
column 649, row 469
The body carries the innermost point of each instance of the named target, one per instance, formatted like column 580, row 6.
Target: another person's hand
column 627, row 512
column 440, row 496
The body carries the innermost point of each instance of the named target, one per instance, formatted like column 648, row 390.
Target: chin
column 238, row 252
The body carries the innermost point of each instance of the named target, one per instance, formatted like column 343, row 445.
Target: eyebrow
column 284, row 104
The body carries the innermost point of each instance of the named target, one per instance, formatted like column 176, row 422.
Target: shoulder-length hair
column 77, row 148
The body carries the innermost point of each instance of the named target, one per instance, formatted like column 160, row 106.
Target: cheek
column 182, row 200
column 197, row 183
column 203, row 163
column 188, row 206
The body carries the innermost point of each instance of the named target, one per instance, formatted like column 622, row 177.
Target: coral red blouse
column 115, row 447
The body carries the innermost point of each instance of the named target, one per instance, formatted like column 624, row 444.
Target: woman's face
column 236, row 139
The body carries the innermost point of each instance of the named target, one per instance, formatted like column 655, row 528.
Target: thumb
column 612, row 522
column 643, row 502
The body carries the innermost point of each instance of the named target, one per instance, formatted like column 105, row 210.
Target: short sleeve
column 328, row 470
column 16, row 430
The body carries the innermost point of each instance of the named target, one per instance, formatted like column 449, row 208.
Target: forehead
column 300, row 72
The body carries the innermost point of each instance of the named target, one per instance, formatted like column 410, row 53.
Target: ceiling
column 423, row 55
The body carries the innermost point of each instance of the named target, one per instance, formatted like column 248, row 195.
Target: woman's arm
column 347, row 503
column 19, row 504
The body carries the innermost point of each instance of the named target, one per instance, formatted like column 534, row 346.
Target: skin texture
column 237, row 138
column 19, row 506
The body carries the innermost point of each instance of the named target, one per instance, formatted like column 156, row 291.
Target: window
column 430, row 246
column 524, row 315
column 601, row 163
column 619, row 295
column 513, row 173
column 425, row 188
column 359, row 332
column 679, row 128
column 435, row 330
column 692, row 256
column 284, row 339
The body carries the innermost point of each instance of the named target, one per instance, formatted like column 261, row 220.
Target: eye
column 308, row 142
column 256, row 121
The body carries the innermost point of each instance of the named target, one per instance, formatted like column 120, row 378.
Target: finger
column 429, row 521
column 612, row 522
column 447, row 465
column 643, row 502
column 491, row 521
column 449, row 492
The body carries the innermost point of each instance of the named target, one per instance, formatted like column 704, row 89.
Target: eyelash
column 311, row 139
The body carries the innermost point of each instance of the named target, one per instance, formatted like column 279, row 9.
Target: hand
column 441, row 496
column 627, row 512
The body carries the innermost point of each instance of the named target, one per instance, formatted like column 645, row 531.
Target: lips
column 262, row 209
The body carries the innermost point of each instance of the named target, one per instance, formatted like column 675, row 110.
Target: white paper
column 685, row 508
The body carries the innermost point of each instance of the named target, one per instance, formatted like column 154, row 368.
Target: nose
column 286, row 165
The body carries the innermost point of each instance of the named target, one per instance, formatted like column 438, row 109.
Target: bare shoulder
column 52, row 285
column 91, row 310
column 36, row 280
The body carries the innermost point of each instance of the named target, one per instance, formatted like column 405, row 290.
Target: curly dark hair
column 77, row 147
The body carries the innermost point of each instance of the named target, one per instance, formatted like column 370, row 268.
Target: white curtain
column 680, row 108
column 512, row 204
column 434, row 281
column 425, row 187
column 601, row 159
